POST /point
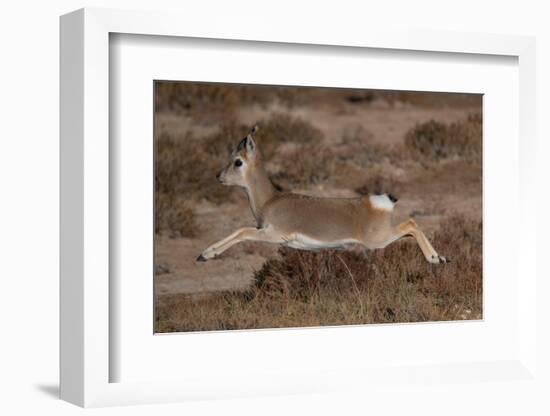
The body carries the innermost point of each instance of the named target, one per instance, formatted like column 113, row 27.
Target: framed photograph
column 262, row 213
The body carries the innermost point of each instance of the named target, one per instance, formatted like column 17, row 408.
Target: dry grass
column 185, row 171
column 380, row 184
column 207, row 102
column 282, row 128
column 296, row 170
column 334, row 287
column 357, row 146
column 431, row 100
column 310, row 162
column 187, row 168
column 435, row 141
column 174, row 216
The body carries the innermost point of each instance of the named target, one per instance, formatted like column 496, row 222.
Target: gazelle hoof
column 439, row 259
column 201, row 258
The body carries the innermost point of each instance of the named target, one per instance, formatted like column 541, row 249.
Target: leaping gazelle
column 306, row 222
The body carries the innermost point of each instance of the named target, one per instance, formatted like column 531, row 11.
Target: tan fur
column 308, row 222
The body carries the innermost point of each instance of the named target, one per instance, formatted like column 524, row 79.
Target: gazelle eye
column 238, row 162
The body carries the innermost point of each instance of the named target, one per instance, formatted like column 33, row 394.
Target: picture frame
column 86, row 305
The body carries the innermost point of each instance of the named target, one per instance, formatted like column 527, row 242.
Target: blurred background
column 425, row 148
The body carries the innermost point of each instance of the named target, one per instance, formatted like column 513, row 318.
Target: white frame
column 85, row 195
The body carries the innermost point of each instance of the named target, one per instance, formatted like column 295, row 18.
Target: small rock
column 161, row 269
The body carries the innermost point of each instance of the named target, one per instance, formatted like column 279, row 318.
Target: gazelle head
column 243, row 160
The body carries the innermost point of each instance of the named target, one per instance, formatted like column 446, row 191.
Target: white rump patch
column 381, row 202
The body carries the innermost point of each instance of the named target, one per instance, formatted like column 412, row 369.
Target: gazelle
column 307, row 222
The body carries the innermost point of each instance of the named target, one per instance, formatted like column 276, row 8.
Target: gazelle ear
column 242, row 144
column 250, row 143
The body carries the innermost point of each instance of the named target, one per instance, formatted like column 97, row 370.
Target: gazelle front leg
column 411, row 228
column 242, row 234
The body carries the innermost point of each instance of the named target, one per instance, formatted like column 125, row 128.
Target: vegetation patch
column 379, row 184
column 282, row 128
column 330, row 287
column 434, row 140
column 174, row 216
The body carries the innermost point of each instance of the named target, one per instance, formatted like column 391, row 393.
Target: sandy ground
column 427, row 199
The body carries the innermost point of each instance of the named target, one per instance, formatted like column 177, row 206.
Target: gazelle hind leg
column 410, row 227
column 242, row 234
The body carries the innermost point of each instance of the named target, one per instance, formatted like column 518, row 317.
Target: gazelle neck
column 259, row 190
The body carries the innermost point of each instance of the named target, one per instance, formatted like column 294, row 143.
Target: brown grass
column 207, row 102
column 435, row 141
column 282, row 128
column 380, row 184
column 174, row 216
column 296, row 170
column 187, row 166
column 358, row 147
column 334, row 287
column 185, row 171
column 309, row 162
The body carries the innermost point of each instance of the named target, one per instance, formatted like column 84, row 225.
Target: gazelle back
column 306, row 222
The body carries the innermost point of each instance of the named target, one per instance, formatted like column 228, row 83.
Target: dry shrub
column 187, row 167
column 220, row 144
column 305, row 165
column 336, row 97
column 435, row 141
column 175, row 216
column 304, row 274
column 432, row 100
column 357, row 146
column 185, row 171
column 380, row 184
column 334, row 287
column 292, row 97
column 428, row 139
column 206, row 102
column 306, row 162
column 282, row 128
column 311, row 162
column 384, row 277
column 198, row 100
